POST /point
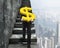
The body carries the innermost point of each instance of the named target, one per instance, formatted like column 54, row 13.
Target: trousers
column 27, row 29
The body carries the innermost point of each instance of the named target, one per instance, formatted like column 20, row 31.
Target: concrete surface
column 21, row 46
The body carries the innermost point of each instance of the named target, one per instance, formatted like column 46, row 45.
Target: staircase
column 17, row 31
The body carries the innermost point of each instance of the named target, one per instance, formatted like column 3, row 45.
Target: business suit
column 28, row 26
column 26, row 29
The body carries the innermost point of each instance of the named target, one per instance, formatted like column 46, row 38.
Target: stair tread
column 15, row 36
column 33, row 28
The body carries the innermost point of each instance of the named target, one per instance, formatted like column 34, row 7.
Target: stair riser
column 21, row 32
column 16, row 41
column 20, row 25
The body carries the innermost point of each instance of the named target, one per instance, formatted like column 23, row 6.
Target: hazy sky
column 51, row 8
column 45, row 3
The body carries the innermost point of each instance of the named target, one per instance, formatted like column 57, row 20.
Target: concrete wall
column 8, row 14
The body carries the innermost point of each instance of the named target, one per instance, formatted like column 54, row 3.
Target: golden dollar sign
column 29, row 16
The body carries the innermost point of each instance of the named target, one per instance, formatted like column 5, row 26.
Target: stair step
column 22, row 28
column 18, row 20
column 17, row 36
column 18, row 16
column 20, row 25
column 21, row 32
column 16, row 41
column 26, row 3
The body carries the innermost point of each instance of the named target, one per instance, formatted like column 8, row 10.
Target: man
column 26, row 29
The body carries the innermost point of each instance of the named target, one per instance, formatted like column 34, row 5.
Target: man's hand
column 22, row 20
column 32, row 20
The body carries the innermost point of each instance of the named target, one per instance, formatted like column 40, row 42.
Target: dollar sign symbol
column 29, row 16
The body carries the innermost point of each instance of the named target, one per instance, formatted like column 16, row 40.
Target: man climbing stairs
column 17, row 31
